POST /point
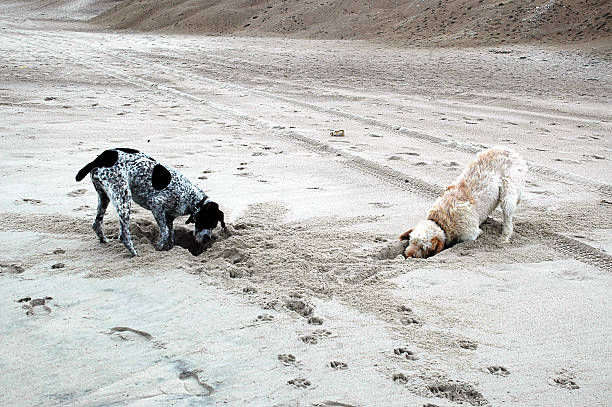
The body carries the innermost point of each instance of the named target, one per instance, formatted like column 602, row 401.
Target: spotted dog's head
column 426, row 239
column 206, row 219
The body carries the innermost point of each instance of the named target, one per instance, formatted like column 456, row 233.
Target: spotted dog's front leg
column 170, row 224
column 166, row 238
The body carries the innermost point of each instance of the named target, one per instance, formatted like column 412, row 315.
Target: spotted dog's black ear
column 199, row 205
column 221, row 217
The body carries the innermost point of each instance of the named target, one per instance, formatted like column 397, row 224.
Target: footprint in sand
column 204, row 176
column 233, row 255
column 564, row 379
column 309, row 339
column 11, row 268
column 32, row 201
column 338, row 365
column 300, row 383
column 452, row 165
column 400, row 378
column 403, row 308
column 76, row 192
column 273, row 304
column 194, row 385
column 412, row 153
column 458, row 392
column 36, row 307
column 496, row 370
column 467, row 344
column 299, row 306
column 315, row 336
column 129, row 334
column 381, row 205
column 288, row 359
column 408, row 354
column 315, row 321
column 410, row 321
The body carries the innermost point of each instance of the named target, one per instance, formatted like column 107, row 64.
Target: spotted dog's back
column 151, row 183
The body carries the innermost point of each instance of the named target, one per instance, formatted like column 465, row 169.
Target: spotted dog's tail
column 107, row 159
column 85, row 170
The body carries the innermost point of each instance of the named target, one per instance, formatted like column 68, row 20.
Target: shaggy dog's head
column 426, row 239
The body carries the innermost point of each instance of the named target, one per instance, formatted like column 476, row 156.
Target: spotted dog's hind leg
column 102, row 205
column 119, row 192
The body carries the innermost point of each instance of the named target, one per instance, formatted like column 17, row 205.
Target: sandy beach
column 306, row 299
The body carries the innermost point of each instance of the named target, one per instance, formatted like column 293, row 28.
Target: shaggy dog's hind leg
column 508, row 199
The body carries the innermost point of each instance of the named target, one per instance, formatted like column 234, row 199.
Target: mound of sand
column 407, row 22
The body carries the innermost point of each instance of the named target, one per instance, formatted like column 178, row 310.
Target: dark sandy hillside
column 454, row 22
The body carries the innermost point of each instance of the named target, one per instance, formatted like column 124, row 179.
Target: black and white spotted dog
column 122, row 174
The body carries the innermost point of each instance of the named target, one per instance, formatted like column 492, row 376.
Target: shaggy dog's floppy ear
column 437, row 244
column 406, row 235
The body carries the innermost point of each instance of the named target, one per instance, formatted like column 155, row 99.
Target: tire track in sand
column 535, row 168
column 541, row 170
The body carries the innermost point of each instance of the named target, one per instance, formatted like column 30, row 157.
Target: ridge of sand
column 464, row 22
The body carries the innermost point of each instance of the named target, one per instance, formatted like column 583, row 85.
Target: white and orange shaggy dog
column 495, row 177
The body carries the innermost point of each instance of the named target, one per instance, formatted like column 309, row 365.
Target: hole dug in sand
column 146, row 232
column 393, row 250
